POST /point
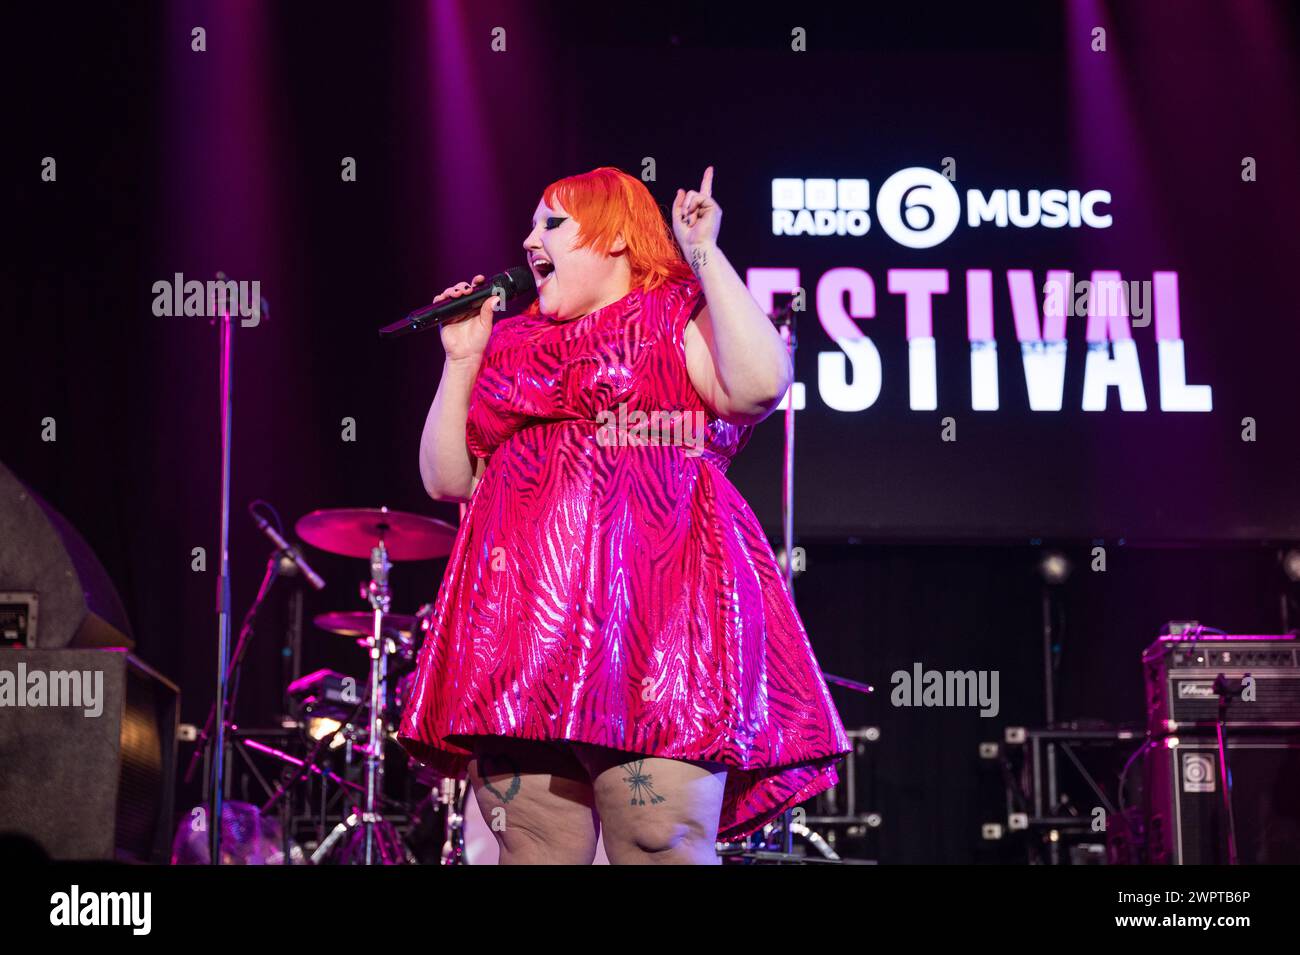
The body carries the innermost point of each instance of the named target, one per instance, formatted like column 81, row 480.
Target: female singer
column 613, row 650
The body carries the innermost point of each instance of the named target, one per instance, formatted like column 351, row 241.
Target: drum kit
column 361, row 721
column 332, row 709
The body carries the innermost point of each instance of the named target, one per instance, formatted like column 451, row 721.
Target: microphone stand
column 216, row 778
column 784, row 319
column 1225, row 690
column 226, row 703
column 785, row 325
column 217, row 775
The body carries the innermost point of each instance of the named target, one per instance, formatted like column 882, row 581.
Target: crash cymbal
column 353, row 531
column 361, row 623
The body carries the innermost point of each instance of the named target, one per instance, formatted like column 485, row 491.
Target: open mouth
column 543, row 269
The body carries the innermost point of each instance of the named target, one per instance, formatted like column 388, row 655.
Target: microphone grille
column 518, row 281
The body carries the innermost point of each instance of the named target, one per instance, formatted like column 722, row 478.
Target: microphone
column 510, row 284
column 290, row 551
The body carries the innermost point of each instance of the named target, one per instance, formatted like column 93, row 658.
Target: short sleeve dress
column 608, row 584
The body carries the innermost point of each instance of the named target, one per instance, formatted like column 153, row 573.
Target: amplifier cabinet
column 88, row 754
column 1187, row 822
column 1179, row 676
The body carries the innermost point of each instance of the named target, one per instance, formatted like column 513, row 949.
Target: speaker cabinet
column 1186, row 820
column 85, row 784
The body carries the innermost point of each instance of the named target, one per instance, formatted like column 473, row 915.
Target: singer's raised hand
column 466, row 338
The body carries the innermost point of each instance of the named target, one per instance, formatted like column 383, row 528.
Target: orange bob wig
column 607, row 201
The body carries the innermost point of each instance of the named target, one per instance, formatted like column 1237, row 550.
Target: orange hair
column 607, row 201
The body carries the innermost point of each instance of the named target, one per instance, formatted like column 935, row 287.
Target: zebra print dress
column 608, row 584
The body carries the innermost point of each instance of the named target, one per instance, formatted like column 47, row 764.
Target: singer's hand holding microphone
column 467, row 338
column 448, row 470
column 466, row 325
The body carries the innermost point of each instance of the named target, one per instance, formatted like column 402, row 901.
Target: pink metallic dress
column 613, row 587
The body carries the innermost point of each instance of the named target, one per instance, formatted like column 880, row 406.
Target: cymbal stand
column 452, row 793
column 377, row 593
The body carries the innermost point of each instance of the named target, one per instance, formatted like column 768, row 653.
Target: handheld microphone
column 510, row 284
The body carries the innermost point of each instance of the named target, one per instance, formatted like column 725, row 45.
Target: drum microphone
column 288, row 550
column 510, row 285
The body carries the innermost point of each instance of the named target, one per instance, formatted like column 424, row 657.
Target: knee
column 664, row 839
column 661, row 835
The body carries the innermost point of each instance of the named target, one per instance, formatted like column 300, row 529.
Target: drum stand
column 382, row 536
column 379, row 842
column 452, row 793
column 380, row 601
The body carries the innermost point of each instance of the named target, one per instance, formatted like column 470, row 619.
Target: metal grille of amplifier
column 1179, row 674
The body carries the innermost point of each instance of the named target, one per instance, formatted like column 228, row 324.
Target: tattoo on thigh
column 498, row 763
column 639, row 783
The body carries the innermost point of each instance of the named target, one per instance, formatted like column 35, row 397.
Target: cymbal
column 361, row 623
column 353, row 531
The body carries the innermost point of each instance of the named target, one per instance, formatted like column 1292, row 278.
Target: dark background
column 175, row 161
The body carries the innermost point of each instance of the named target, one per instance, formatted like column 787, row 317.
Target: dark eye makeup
column 553, row 222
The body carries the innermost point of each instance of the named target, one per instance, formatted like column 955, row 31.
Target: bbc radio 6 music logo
column 919, row 208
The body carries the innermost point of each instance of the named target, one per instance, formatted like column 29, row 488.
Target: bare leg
column 656, row 811
column 537, row 800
